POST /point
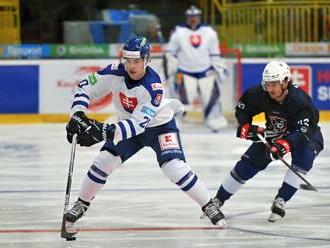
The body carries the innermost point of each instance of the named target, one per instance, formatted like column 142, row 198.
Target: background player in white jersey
column 193, row 53
column 145, row 119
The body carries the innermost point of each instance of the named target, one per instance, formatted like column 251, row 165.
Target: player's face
column 274, row 89
column 135, row 68
column 193, row 21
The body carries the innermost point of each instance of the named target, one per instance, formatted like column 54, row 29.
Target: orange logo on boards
column 301, row 75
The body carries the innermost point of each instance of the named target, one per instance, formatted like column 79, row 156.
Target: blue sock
column 286, row 191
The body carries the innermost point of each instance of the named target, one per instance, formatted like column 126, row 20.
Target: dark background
column 42, row 20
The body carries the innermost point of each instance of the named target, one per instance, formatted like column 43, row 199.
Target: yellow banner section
column 9, row 22
column 62, row 118
column 44, row 118
column 324, row 116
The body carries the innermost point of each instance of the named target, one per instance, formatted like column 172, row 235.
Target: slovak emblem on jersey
column 195, row 40
column 168, row 141
column 128, row 103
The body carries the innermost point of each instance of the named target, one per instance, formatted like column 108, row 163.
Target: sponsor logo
column 25, row 51
column 92, row 79
column 80, row 50
column 114, row 66
column 157, row 99
column 156, row 86
column 323, row 76
column 100, row 103
column 148, row 111
column 81, row 72
column 171, row 152
column 301, row 76
column 168, row 141
column 128, row 103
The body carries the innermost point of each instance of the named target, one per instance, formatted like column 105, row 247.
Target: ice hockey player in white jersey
column 146, row 119
column 193, row 56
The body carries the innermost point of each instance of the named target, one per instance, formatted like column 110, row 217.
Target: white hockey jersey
column 139, row 104
column 196, row 50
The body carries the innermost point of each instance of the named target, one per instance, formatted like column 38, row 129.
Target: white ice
column 139, row 207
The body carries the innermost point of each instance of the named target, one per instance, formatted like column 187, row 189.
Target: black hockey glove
column 279, row 148
column 248, row 131
column 95, row 133
column 77, row 124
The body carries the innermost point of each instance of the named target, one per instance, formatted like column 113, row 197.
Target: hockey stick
column 308, row 185
column 64, row 234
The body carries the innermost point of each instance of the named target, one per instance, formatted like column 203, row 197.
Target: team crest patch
column 156, row 86
column 195, row 40
column 128, row 103
column 168, row 141
column 278, row 124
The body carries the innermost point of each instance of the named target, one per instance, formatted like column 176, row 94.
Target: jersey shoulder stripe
column 153, row 84
column 113, row 69
column 81, row 95
column 83, row 103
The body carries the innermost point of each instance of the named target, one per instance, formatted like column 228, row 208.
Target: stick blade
column 68, row 231
column 307, row 187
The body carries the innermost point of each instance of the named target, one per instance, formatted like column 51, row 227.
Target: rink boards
column 41, row 90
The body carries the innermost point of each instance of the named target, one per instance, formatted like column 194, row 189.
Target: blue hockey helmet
column 137, row 47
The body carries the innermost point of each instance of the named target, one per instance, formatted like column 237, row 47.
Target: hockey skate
column 76, row 212
column 217, row 203
column 69, row 230
column 213, row 212
column 277, row 210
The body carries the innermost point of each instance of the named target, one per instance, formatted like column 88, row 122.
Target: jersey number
column 83, row 83
column 304, row 122
column 145, row 123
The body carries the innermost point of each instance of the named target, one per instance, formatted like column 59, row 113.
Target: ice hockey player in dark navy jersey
column 145, row 119
column 291, row 126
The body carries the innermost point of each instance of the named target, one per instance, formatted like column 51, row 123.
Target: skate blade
column 274, row 217
column 222, row 223
column 70, row 228
column 203, row 216
column 69, row 233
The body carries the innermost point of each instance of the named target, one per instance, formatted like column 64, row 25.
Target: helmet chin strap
column 284, row 90
column 146, row 61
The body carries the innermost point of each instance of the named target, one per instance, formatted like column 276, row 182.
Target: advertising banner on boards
column 19, row 89
column 58, row 80
column 312, row 77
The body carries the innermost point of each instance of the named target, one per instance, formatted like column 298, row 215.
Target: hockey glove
column 77, row 124
column 248, row 131
column 279, row 148
column 95, row 133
